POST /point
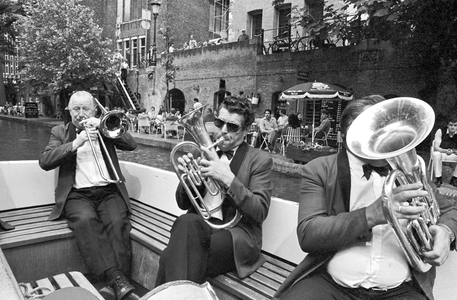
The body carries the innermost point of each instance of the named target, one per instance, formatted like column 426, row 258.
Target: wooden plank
column 62, row 281
column 40, row 237
column 9, row 287
column 45, row 285
column 147, row 241
column 235, row 288
column 82, row 281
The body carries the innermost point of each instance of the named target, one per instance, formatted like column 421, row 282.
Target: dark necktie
column 229, row 153
column 367, row 169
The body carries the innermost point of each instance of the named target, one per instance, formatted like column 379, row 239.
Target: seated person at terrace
column 196, row 250
column 282, row 119
column 96, row 210
column 269, row 127
column 325, row 123
column 445, row 148
column 353, row 253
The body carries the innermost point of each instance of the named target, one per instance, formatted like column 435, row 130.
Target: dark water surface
column 25, row 141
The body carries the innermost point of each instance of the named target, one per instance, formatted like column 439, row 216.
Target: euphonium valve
column 192, row 180
column 391, row 130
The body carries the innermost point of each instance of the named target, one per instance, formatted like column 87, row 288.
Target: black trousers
column 98, row 217
column 321, row 286
column 195, row 251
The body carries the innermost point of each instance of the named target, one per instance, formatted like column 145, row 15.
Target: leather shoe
column 108, row 293
column 122, row 286
column 453, row 181
column 438, row 182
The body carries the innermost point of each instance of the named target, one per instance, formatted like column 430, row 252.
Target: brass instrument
column 192, row 178
column 391, row 130
column 113, row 125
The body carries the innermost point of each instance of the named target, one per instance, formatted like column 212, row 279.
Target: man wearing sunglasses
column 197, row 250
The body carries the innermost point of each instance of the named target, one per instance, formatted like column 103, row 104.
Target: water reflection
column 25, row 141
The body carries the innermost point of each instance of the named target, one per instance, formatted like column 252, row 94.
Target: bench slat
column 82, row 281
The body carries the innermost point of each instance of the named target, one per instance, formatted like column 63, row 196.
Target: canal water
column 25, row 141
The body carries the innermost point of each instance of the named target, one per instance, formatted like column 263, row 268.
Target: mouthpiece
column 220, row 140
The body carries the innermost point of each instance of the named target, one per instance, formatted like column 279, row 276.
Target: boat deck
column 48, row 248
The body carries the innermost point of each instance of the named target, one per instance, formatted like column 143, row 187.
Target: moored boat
column 38, row 252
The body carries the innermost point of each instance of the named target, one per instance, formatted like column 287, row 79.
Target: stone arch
column 177, row 99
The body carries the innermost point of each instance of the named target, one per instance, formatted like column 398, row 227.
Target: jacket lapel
column 344, row 177
column 238, row 158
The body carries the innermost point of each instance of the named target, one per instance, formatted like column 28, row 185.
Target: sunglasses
column 231, row 127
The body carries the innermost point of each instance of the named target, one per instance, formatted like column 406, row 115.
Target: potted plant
column 277, row 3
column 306, row 151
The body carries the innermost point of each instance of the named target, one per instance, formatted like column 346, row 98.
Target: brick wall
column 368, row 68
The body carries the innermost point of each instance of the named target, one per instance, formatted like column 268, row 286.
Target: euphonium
column 113, row 125
column 391, row 130
column 192, row 178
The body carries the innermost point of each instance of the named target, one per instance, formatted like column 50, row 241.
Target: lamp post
column 155, row 7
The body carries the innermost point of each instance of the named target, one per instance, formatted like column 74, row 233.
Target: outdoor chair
column 431, row 170
column 292, row 135
column 252, row 134
column 171, row 129
column 264, row 136
column 320, row 137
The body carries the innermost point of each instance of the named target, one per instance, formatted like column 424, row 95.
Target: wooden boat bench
column 150, row 235
column 34, row 238
column 32, row 241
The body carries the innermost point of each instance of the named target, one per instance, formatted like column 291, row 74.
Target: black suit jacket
column 327, row 183
column 250, row 192
column 59, row 153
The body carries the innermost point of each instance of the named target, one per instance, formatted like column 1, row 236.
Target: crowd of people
column 275, row 129
column 16, row 110
column 352, row 252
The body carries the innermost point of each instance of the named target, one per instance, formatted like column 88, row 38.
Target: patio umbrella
column 315, row 90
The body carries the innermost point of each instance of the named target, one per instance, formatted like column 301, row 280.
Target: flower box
column 298, row 154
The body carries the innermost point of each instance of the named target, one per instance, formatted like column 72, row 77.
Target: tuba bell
column 192, row 179
column 391, row 130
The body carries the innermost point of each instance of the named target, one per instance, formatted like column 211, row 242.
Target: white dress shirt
column 87, row 173
column 213, row 201
column 379, row 263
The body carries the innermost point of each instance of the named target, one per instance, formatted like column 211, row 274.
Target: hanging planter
column 277, row 3
column 255, row 100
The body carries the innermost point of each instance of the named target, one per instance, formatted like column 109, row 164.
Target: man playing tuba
column 352, row 250
column 197, row 249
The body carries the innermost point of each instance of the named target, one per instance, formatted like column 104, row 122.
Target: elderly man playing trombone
column 352, row 246
column 91, row 194
column 201, row 248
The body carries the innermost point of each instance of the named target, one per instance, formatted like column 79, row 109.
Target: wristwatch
column 451, row 233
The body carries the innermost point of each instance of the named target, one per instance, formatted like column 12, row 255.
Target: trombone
column 113, row 125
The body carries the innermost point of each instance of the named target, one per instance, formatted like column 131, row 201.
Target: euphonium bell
column 391, row 130
column 191, row 180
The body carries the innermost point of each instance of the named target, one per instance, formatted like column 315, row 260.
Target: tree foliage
column 425, row 30
column 10, row 11
column 62, row 47
column 425, row 27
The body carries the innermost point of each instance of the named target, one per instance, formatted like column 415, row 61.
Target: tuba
column 113, row 125
column 391, row 130
column 191, row 180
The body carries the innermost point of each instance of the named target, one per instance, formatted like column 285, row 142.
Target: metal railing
column 290, row 41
